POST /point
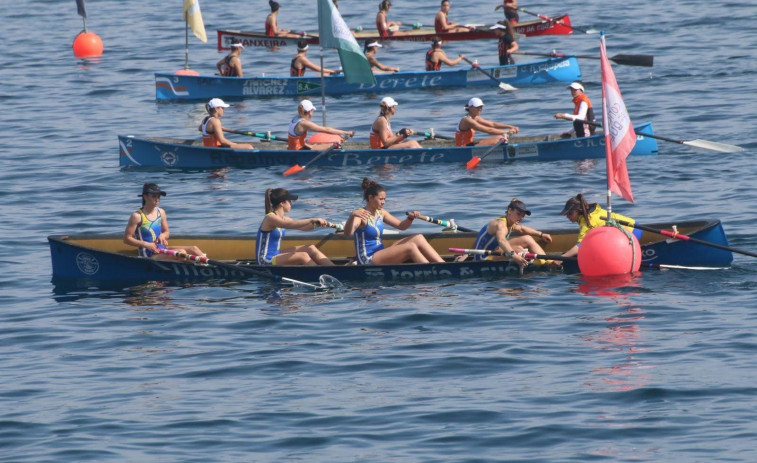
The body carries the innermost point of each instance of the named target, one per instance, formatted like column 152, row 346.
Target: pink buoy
column 87, row 45
column 186, row 72
column 322, row 137
column 607, row 251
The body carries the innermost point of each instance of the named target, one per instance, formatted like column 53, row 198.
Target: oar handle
column 431, row 135
column 658, row 137
column 337, row 226
column 444, row 223
column 264, row 136
column 682, row 237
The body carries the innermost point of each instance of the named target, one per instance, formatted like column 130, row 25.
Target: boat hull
column 527, row 28
column 185, row 87
column 90, row 259
column 190, row 154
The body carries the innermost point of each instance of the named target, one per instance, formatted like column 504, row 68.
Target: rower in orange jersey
column 511, row 11
column 582, row 110
column 212, row 130
column 382, row 135
column 298, row 129
column 300, row 62
column 472, row 121
column 436, row 56
column 383, row 25
column 441, row 24
column 371, row 47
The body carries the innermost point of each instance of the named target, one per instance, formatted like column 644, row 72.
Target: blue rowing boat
column 92, row 259
column 191, row 154
column 186, row 87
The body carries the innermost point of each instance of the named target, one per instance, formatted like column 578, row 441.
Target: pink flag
column 619, row 134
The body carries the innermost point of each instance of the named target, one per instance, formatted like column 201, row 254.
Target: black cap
column 572, row 203
column 279, row 195
column 519, row 206
column 151, row 188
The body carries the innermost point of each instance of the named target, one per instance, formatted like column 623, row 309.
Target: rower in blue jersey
column 497, row 235
column 278, row 202
column 366, row 225
column 147, row 229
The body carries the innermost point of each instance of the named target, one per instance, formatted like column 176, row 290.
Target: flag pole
column 323, row 90
column 608, row 142
column 186, row 40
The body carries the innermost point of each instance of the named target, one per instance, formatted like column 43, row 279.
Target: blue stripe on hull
column 182, row 87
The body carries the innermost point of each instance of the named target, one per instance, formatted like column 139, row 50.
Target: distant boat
column 558, row 26
column 89, row 259
column 191, row 154
column 169, row 86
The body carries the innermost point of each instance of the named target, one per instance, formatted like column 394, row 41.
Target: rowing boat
column 191, row 154
column 558, row 26
column 170, row 86
column 105, row 258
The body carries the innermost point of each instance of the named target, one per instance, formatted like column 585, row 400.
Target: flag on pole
column 81, row 9
column 619, row 135
column 193, row 17
column 334, row 33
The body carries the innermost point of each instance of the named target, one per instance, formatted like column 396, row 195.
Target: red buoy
column 87, row 45
column 186, row 72
column 607, row 251
column 322, row 137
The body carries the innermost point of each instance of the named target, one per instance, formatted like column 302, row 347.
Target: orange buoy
column 607, row 251
column 186, row 72
column 87, row 45
column 322, row 137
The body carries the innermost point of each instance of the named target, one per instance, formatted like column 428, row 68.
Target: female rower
column 589, row 216
column 382, row 24
column 271, row 23
column 511, row 10
column 382, row 135
column 496, row 235
column 442, row 25
column 147, row 229
column 582, row 111
column 278, row 202
column 300, row 62
column 371, row 47
column 472, row 121
column 231, row 64
column 212, row 130
column 298, row 129
column 366, row 225
column 435, row 56
column 506, row 45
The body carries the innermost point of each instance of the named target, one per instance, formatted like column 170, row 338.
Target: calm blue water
column 545, row 368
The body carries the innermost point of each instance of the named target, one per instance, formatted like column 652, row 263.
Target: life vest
column 208, row 139
column 430, row 65
column 375, row 139
column 583, row 130
column 293, row 71
column 296, row 140
column 464, row 137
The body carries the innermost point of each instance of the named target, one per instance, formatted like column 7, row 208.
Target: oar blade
column 506, row 87
column 293, row 170
column 706, row 145
column 634, row 60
column 472, row 163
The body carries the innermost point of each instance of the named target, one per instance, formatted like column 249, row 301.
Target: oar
column 628, row 60
column 264, row 136
column 697, row 144
column 247, row 270
column 678, row 236
column 432, row 136
column 526, row 255
column 444, row 223
column 297, row 168
column 501, row 85
column 552, row 20
column 475, row 159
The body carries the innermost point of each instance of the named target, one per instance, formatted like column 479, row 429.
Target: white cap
column 217, row 103
column 237, row 44
column 577, row 86
column 388, row 102
column 307, row 105
column 374, row 44
column 498, row 26
column 474, row 103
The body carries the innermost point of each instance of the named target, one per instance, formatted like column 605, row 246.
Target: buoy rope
column 613, row 223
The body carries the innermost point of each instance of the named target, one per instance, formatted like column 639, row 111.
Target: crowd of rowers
column 231, row 65
column 382, row 136
column 506, row 236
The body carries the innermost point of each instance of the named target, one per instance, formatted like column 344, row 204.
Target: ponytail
column 268, row 205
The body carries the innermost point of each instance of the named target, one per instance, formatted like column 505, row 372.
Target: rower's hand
column 152, row 247
column 520, row 260
column 546, row 237
column 412, row 215
column 514, row 129
column 348, row 134
column 162, row 239
column 320, row 222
